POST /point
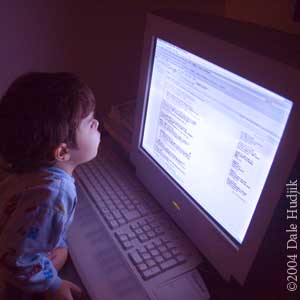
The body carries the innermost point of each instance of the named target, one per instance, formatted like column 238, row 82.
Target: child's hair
column 37, row 113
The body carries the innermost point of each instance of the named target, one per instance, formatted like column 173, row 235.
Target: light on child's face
column 88, row 140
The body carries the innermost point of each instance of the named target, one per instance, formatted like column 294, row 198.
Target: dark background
column 102, row 42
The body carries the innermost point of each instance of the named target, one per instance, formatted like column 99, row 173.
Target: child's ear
column 62, row 152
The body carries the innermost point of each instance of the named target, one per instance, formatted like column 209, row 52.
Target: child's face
column 88, row 140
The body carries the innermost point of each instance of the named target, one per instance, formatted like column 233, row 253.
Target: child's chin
column 91, row 158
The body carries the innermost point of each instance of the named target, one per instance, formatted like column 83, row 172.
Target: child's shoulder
column 46, row 187
column 61, row 186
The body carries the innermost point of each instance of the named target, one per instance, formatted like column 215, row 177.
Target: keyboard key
column 122, row 237
column 131, row 215
column 142, row 267
column 150, row 273
column 109, row 202
column 122, row 221
column 101, row 204
column 168, row 264
column 150, row 247
column 181, row 258
column 143, row 238
column 142, row 209
column 169, row 238
column 171, row 245
column 127, row 245
column 154, row 252
column 116, row 214
column 150, row 262
column 159, row 230
column 142, row 250
column 157, row 242
column 131, row 207
column 150, row 234
column 162, row 248
column 159, row 259
column 127, row 202
column 146, row 256
column 141, row 223
column 111, row 207
column 135, row 201
column 136, row 258
column 147, row 228
column 113, row 224
column 175, row 251
column 134, row 226
column 109, row 216
column 104, row 210
column 167, row 255
column 139, row 231
column 131, row 236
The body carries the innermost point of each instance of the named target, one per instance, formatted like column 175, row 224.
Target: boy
column 47, row 129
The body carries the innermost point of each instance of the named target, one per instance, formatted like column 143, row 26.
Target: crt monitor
column 217, row 131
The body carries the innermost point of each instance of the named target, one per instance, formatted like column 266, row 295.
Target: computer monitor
column 217, row 130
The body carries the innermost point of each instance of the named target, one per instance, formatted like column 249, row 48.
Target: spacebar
column 100, row 264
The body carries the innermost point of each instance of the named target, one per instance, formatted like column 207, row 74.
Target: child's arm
column 58, row 257
column 33, row 231
column 65, row 292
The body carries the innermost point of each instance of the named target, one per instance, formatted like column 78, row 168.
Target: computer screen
column 217, row 130
column 207, row 127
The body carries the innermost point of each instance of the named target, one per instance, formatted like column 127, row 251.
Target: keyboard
column 150, row 244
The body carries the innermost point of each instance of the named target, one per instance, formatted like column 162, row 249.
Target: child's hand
column 66, row 291
column 58, row 257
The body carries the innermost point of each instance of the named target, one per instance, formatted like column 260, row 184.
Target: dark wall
column 100, row 40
